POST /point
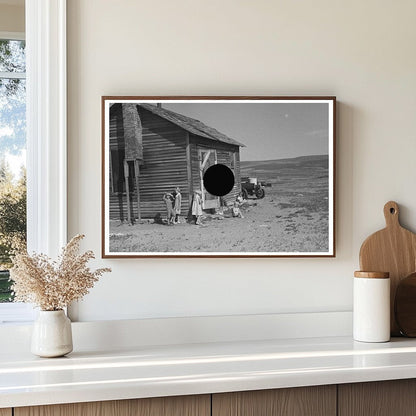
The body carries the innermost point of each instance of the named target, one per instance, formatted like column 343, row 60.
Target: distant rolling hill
column 273, row 170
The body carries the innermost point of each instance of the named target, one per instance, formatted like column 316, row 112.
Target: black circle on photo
column 218, row 180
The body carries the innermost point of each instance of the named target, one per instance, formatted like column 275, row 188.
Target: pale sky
column 15, row 161
column 269, row 130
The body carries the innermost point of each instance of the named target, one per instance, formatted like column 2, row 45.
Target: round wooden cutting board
column 405, row 306
column 393, row 250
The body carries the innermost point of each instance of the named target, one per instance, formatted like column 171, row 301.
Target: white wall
column 361, row 51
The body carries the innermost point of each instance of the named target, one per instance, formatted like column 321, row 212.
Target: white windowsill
column 16, row 313
column 203, row 368
column 159, row 357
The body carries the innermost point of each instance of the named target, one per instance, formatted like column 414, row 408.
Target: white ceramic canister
column 371, row 322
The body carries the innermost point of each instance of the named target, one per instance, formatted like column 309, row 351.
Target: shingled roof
column 190, row 124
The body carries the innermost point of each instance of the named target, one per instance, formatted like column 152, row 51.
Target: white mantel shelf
column 151, row 371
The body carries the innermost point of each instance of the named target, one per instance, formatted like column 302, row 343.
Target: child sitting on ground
column 236, row 210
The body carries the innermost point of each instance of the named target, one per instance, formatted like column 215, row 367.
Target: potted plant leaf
column 52, row 286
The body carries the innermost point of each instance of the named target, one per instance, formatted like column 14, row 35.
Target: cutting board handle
column 391, row 214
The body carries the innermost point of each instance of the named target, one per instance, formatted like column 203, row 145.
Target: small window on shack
column 116, row 171
column 117, row 178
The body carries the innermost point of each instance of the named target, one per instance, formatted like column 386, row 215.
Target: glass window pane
column 12, row 118
column 12, row 56
column 12, row 174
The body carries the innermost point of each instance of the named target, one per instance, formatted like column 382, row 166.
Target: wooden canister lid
column 372, row 275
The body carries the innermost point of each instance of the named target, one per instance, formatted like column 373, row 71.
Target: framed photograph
column 218, row 177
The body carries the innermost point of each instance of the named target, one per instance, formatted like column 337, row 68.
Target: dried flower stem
column 53, row 285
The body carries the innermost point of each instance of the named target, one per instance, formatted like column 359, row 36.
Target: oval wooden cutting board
column 393, row 250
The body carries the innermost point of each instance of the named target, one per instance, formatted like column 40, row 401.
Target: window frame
column 46, row 125
column 46, row 135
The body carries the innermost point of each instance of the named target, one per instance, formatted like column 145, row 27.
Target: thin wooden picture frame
column 284, row 187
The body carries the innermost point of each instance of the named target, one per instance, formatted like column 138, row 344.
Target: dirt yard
column 293, row 217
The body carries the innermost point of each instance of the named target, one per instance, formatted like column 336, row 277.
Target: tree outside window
column 12, row 156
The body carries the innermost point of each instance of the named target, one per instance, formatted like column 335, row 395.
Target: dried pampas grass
column 53, row 285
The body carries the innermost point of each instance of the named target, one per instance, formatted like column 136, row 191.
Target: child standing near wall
column 170, row 215
column 178, row 203
column 197, row 207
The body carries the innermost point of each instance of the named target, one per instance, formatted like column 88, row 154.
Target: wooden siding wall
column 164, row 154
column 164, row 167
column 224, row 156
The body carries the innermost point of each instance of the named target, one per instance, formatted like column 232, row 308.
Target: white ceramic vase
column 52, row 334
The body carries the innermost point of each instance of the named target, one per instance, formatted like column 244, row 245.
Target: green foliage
column 12, row 213
column 12, row 55
column 6, row 294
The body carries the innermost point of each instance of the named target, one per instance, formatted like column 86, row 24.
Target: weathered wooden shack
column 154, row 150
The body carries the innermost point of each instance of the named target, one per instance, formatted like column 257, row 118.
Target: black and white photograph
column 220, row 177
